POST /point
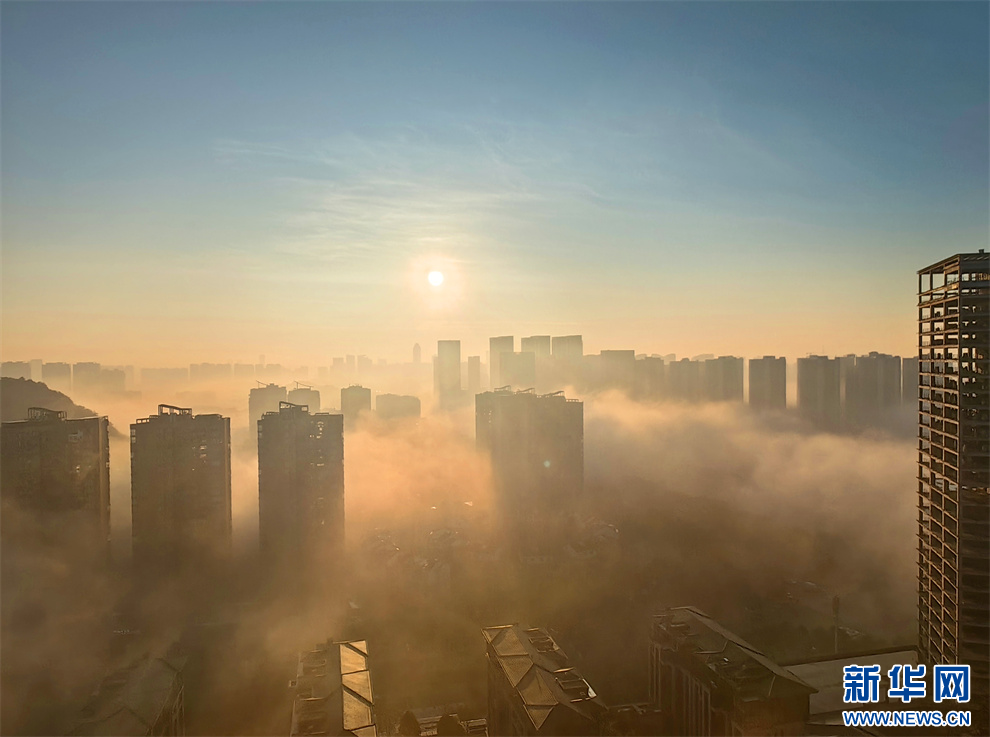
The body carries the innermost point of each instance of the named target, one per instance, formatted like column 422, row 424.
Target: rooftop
column 130, row 701
column 729, row 659
column 541, row 673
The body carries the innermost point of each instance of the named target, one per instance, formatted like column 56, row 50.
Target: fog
column 758, row 519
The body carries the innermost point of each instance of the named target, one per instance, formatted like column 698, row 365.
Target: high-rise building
column 180, row 488
column 650, row 376
column 496, row 347
column 474, row 374
column 86, row 377
column 568, row 348
column 953, row 469
column 16, row 370
column 417, row 354
column 818, row 383
column 536, row 444
column 534, row 689
column 872, row 388
column 707, row 680
column 394, row 406
column 536, row 344
column 264, row 399
column 447, row 373
column 301, row 487
column 354, row 401
column 58, row 471
column 57, row 376
column 617, row 370
column 518, row 370
column 768, row 383
column 723, row 379
column 305, row 395
column 683, row 379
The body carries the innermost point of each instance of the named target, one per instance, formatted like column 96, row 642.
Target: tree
column 408, row 725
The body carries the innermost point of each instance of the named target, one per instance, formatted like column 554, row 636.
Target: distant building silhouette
column 617, row 370
column 568, row 348
column 57, row 376
column 723, row 379
column 16, row 369
column 954, row 470
column 58, row 471
column 394, row 406
column 872, row 388
column 333, row 693
column 818, row 390
column 707, row 680
column 417, row 354
column 305, row 395
column 180, row 488
column 683, row 380
column 301, row 488
column 534, row 689
column 536, row 444
column 264, row 399
column 86, row 378
column 518, row 369
column 354, row 401
column 474, row 374
column 768, row 383
column 447, row 373
column 650, row 377
column 539, row 345
column 496, row 347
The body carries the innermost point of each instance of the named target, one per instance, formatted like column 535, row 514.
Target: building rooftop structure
column 541, row 674
column 826, row 676
column 729, row 659
column 142, row 699
column 333, row 692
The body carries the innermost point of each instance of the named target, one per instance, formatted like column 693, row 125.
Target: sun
column 435, row 278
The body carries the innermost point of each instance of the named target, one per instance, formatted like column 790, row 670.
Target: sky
column 212, row 181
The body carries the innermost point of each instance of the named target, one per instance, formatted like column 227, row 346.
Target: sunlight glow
column 436, row 278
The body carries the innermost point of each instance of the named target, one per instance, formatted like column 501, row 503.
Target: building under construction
column 953, row 469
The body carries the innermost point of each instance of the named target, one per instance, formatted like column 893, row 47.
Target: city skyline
column 569, row 169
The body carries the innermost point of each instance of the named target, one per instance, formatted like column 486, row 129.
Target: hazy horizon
column 206, row 182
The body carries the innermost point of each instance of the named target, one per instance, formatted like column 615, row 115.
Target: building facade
column 447, row 373
column 536, row 445
column 301, row 487
column 953, row 468
column 57, row 470
column 819, row 390
column 496, row 347
column 708, row 681
column 768, row 383
column 180, row 488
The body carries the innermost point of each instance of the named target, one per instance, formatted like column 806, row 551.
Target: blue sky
column 214, row 180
